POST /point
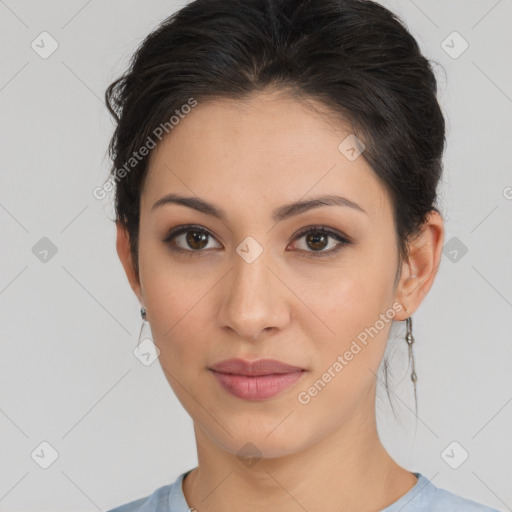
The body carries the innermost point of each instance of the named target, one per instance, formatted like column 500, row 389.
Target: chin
column 262, row 441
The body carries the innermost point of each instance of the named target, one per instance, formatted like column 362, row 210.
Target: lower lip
column 257, row 388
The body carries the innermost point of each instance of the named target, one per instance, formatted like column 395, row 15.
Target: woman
column 276, row 165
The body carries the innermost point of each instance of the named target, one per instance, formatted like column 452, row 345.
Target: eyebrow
column 282, row 213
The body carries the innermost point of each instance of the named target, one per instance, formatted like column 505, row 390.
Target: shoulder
column 425, row 496
column 444, row 498
column 158, row 501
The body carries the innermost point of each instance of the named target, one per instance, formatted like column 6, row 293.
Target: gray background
column 70, row 323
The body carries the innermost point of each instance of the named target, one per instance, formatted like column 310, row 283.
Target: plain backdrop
column 71, row 388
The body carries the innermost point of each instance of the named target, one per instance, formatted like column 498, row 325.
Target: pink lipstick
column 256, row 380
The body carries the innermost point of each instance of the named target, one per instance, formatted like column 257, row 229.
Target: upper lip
column 259, row 367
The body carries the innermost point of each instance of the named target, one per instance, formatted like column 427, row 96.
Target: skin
column 248, row 158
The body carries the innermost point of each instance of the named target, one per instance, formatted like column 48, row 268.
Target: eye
column 317, row 237
column 188, row 239
column 192, row 239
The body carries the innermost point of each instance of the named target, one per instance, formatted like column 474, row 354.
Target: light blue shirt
column 423, row 497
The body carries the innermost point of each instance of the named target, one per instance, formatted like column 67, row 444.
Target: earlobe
column 124, row 253
column 420, row 269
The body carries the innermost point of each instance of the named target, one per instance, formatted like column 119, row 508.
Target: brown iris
column 316, row 240
column 197, row 237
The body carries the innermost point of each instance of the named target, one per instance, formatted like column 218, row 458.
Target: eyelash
column 343, row 241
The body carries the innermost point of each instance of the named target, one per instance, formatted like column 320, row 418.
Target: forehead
column 270, row 148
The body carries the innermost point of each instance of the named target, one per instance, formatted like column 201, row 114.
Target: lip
column 257, row 380
column 254, row 368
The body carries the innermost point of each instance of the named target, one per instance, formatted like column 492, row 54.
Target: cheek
column 170, row 296
column 176, row 317
column 353, row 295
column 347, row 362
column 353, row 304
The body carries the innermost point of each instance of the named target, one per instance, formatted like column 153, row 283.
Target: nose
column 254, row 300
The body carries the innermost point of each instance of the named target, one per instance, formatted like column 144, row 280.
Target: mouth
column 256, row 380
column 256, row 368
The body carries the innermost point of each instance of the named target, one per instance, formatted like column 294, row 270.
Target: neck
column 348, row 467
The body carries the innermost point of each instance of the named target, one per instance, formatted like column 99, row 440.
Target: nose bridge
column 253, row 300
column 250, row 272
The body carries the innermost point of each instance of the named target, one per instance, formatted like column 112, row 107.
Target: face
column 304, row 287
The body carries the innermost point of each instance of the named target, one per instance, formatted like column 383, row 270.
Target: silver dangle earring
column 143, row 316
column 409, row 338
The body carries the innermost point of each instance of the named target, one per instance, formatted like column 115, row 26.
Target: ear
column 420, row 269
column 124, row 253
